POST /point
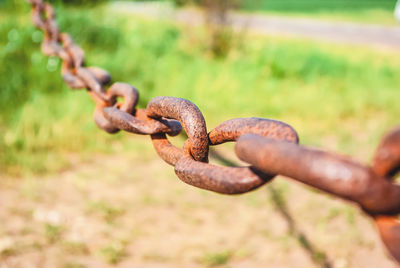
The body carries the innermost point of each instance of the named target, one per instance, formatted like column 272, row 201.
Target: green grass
column 318, row 5
column 113, row 253
column 370, row 11
column 216, row 259
column 108, row 212
column 343, row 97
column 372, row 16
column 52, row 232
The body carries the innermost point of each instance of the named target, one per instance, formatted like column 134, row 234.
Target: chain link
column 270, row 146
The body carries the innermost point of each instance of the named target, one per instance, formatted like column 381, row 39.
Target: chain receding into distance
column 270, row 147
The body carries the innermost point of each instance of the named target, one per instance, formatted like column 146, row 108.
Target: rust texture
column 232, row 129
column 190, row 118
column 386, row 164
column 329, row 172
column 269, row 146
column 389, row 230
column 233, row 180
column 387, row 157
column 224, row 180
column 130, row 96
column 370, row 187
column 139, row 123
column 168, row 152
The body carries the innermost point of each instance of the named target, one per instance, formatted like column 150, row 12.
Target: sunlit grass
column 216, row 258
column 340, row 97
column 372, row 16
column 371, row 11
column 113, row 253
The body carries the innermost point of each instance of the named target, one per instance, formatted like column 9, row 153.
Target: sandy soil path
column 130, row 210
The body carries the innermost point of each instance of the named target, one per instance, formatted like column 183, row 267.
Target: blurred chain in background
column 270, row 146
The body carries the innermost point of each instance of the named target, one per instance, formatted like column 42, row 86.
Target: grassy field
column 370, row 11
column 73, row 196
column 318, row 5
column 346, row 95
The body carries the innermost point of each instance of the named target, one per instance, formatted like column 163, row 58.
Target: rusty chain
column 271, row 147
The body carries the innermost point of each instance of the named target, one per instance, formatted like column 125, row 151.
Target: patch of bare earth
column 123, row 211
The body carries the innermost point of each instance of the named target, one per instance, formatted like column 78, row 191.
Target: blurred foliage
column 306, row 5
column 16, row 4
column 79, row 2
column 180, row 3
column 324, row 91
column 318, row 5
column 218, row 24
column 217, row 259
column 21, row 52
column 32, row 83
column 369, row 11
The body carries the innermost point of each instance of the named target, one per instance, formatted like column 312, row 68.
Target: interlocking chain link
column 271, row 147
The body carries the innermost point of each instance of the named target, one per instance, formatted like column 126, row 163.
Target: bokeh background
column 74, row 196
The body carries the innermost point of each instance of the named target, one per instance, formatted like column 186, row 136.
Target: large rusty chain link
column 270, row 147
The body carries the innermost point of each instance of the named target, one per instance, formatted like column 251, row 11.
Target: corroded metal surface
column 387, row 157
column 190, row 118
column 386, row 164
column 139, row 123
column 389, row 229
column 224, row 180
column 329, row 172
column 270, row 146
column 233, row 180
column 125, row 91
column 370, row 187
column 168, row 152
column 232, row 129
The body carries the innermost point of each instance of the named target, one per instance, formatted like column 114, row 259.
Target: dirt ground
column 130, row 210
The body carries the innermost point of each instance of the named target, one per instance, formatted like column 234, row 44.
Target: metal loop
column 74, row 82
column 168, row 152
column 92, row 83
column 389, row 230
column 386, row 162
column 233, row 180
column 66, row 40
column 37, row 18
column 232, row 129
column 140, row 123
column 130, row 95
column 53, row 48
column 69, row 76
column 190, row 118
column 76, row 53
column 51, row 25
column 126, row 91
column 49, row 11
column 329, row 172
column 101, row 75
column 76, row 76
column 224, row 180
